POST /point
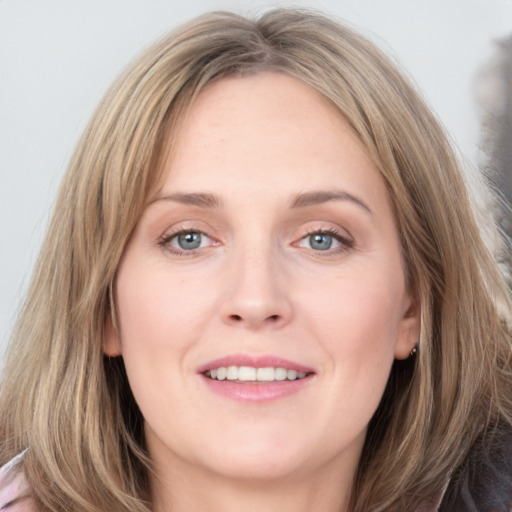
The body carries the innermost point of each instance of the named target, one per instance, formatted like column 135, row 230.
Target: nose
column 257, row 293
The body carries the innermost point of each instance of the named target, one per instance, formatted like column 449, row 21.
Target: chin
column 258, row 454
column 257, row 467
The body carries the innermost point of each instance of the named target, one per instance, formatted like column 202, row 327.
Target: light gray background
column 57, row 57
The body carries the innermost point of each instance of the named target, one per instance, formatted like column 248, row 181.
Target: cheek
column 358, row 326
column 354, row 319
column 160, row 321
column 157, row 312
column 358, row 316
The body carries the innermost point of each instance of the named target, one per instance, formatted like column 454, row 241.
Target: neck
column 186, row 491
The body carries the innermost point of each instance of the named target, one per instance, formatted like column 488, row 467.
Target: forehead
column 268, row 127
column 271, row 93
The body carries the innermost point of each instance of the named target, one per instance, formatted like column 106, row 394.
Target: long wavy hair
column 71, row 404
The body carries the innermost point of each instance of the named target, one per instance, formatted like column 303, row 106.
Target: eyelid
column 346, row 242
column 165, row 241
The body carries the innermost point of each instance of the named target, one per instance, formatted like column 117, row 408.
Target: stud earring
column 414, row 351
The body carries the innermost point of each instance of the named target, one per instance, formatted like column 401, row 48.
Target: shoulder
column 483, row 483
column 15, row 495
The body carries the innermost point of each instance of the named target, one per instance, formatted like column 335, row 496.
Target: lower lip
column 258, row 391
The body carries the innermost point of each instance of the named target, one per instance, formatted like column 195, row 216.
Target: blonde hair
column 72, row 405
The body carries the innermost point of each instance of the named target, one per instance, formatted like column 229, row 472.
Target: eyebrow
column 202, row 200
column 323, row 196
column 302, row 200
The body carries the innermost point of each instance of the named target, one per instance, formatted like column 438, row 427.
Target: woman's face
column 270, row 253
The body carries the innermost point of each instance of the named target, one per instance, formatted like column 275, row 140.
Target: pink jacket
column 15, row 495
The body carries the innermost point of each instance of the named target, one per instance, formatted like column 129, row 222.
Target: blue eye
column 329, row 241
column 189, row 241
column 186, row 241
column 320, row 241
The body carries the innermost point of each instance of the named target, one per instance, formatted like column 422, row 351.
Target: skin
column 258, row 285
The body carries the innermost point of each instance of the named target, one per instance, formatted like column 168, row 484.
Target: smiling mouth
column 250, row 374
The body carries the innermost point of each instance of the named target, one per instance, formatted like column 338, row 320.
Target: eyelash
column 346, row 243
column 165, row 241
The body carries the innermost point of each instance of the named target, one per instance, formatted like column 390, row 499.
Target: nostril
column 238, row 318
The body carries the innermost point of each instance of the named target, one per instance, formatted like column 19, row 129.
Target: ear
column 111, row 340
column 409, row 328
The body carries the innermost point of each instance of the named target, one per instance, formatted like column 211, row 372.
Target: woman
column 263, row 287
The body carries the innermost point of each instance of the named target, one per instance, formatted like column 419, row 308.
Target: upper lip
column 255, row 361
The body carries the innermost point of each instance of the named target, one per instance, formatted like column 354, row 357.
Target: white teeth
column 291, row 374
column 265, row 374
column 281, row 374
column 232, row 373
column 248, row 373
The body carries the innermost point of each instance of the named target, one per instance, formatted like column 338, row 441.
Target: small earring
column 414, row 351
